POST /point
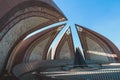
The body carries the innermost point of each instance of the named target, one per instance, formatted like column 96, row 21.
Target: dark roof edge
column 7, row 5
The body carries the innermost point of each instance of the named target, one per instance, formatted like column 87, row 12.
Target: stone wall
column 14, row 33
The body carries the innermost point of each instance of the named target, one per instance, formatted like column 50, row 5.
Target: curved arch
column 18, row 7
column 20, row 12
column 99, row 44
column 19, row 51
column 38, row 14
column 40, row 46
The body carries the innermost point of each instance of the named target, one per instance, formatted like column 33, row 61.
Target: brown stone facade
column 33, row 37
column 21, row 17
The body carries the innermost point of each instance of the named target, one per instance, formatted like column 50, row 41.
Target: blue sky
column 102, row 16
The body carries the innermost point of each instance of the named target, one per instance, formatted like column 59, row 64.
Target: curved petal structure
column 36, row 39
